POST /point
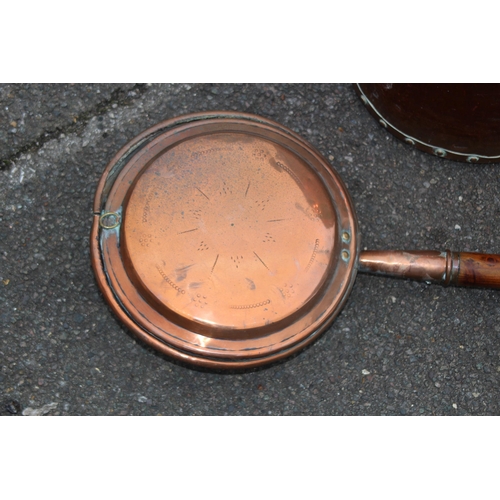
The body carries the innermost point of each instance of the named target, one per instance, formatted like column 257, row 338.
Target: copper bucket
column 225, row 240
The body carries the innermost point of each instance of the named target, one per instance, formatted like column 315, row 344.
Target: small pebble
column 13, row 407
column 36, row 412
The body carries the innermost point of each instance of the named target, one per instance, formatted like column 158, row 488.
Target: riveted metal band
column 429, row 148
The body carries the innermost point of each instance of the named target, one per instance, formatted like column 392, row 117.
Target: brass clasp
column 109, row 220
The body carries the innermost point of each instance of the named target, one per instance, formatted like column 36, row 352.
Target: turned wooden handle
column 477, row 269
column 444, row 268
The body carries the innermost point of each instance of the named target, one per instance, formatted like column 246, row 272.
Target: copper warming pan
column 225, row 240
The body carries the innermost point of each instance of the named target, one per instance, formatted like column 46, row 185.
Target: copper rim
column 459, row 121
column 223, row 239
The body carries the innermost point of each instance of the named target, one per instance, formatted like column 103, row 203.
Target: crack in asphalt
column 120, row 97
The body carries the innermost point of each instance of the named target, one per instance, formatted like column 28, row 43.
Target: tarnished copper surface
column 224, row 240
column 429, row 266
column 443, row 268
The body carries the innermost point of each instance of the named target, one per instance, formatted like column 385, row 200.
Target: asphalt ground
column 397, row 348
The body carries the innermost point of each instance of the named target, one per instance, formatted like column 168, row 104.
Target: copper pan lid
column 459, row 121
column 223, row 239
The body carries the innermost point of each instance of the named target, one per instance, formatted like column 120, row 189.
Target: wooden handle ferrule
column 476, row 269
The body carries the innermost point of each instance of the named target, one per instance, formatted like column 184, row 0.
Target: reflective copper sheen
column 224, row 240
column 429, row 266
column 442, row 268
